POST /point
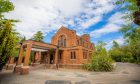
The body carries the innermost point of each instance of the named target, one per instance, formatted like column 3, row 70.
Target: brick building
column 66, row 49
column 73, row 49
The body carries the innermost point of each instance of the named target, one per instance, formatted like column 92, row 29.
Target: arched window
column 62, row 41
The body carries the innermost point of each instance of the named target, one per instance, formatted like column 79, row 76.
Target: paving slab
column 57, row 82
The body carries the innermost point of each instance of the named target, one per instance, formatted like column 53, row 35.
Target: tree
column 131, row 9
column 115, row 44
column 8, row 36
column 131, row 31
column 130, row 52
column 7, row 43
column 5, row 6
column 22, row 39
column 132, row 34
column 38, row 36
column 100, row 48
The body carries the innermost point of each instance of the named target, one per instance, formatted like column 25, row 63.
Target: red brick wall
column 69, row 34
column 72, row 46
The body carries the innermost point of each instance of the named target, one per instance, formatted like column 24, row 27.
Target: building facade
column 66, row 49
column 73, row 49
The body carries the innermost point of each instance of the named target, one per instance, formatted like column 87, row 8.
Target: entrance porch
column 43, row 53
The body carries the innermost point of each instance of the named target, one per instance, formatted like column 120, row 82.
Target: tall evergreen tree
column 8, row 36
column 22, row 39
column 38, row 36
column 115, row 44
column 7, row 43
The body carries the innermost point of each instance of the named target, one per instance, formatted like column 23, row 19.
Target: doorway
column 51, row 59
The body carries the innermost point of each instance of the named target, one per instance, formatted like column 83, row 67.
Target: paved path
column 125, row 73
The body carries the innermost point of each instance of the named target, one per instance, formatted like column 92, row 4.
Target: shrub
column 116, row 55
column 100, row 60
column 100, row 63
column 121, row 55
column 126, row 57
column 132, row 60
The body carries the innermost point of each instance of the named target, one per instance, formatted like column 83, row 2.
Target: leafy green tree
column 131, row 31
column 121, row 54
column 132, row 34
column 100, row 48
column 131, row 8
column 7, row 43
column 115, row 52
column 115, row 44
column 38, row 36
column 5, row 6
column 8, row 35
column 128, row 5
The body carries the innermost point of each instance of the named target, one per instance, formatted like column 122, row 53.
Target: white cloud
column 117, row 19
column 113, row 25
column 49, row 15
column 105, row 30
column 95, row 11
column 90, row 22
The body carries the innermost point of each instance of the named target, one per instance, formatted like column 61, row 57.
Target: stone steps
column 43, row 66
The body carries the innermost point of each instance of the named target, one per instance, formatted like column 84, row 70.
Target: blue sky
column 99, row 18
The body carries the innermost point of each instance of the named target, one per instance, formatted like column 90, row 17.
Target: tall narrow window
column 62, row 41
column 60, row 55
column 84, row 55
column 73, row 55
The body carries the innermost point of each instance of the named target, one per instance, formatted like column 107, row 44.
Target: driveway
column 125, row 73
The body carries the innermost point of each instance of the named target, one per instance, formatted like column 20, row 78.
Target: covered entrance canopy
column 36, row 46
column 40, row 50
